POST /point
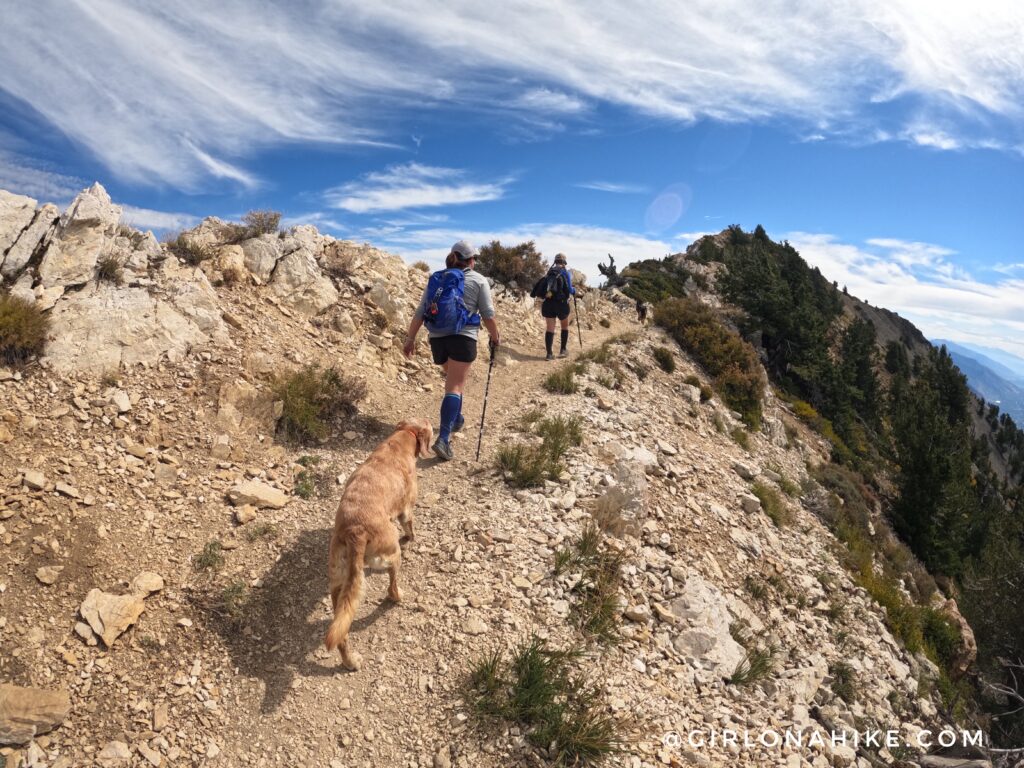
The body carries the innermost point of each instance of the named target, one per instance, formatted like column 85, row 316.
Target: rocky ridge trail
column 143, row 448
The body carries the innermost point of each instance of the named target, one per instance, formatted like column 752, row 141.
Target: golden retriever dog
column 380, row 491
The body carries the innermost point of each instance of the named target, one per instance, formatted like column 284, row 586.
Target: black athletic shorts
column 461, row 349
column 555, row 308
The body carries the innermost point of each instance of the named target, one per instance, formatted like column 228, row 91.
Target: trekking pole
column 576, row 307
column 483, row 413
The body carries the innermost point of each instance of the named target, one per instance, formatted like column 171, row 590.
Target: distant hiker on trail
column 641, row 312
column 555, row 288
column 456, row 300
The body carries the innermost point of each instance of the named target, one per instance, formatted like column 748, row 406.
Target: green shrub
column 789, row 487
column 260, row 531
column 730, row 361
column 261, row 223
column 741, row 437
column 315, row 399
column 773, row 505
column 234, row 599
column 757, row 664
column 596, row 608
column 844, row 681
column 519, row 266
column 604, row 322
column 108, row 268
column 211, row 558
column 757, row 588
column 562, row 381
column 560, row 434
column 23, row 329
column 665, row 359
column 653, row 280
column 560, row 711
column 527, row 466
column 189, row 250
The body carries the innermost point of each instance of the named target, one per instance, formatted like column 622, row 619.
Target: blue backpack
column 446, row 311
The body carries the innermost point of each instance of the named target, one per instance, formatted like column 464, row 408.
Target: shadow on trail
column 522, row 357
column 276, row 629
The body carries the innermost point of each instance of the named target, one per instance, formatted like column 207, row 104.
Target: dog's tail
column 348, row 594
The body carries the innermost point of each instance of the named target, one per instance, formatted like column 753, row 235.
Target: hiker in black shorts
column 555, row 288
column 454, row 349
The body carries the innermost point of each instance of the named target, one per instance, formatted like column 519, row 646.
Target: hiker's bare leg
column 550, row 321
column 455, row 376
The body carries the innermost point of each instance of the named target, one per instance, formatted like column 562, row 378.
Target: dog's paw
column 395, row 595
column 352, row 661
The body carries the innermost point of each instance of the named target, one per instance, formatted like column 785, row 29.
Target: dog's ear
column 424, row 436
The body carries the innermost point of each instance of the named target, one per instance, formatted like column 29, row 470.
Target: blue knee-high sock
column 451, row 406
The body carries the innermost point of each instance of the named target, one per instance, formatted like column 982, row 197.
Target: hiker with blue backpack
column 555, row 288
column 456, row 301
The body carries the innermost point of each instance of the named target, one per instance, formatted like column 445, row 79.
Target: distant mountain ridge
column 989, row 379
column 1003, row 364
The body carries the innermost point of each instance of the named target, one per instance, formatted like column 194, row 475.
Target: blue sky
column 884, row 139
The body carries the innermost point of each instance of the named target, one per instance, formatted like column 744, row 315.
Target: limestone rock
column 245, row 514
column 257, row 494
column 146, row 583
column 750, row 503
column 260, row 255
column 299, row 283
column 28, row 712
column 221, row 448
column 746, row 470
column 16, row 213
column 33, row 480
column 102, row 328
column 85, row 229
column 241, row 407
column 968, row 651
column 110, row 615
column 391, row 307
column 703, row 610
column 21, row 252
column 48, row 574
column 114, row 753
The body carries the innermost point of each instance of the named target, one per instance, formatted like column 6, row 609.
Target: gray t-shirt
column 477, row 296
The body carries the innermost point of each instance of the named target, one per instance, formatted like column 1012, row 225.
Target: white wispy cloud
column 616, row 187
column 186, row 97
column 585, row 246
column 548, row 101
column 412, row 185
column 919, row 281
column 146, row 218
column 47, row 186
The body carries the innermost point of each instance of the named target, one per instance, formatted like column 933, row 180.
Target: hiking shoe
column 442, row 449
column 550, row 357
column 459, row 424
column 563, row 353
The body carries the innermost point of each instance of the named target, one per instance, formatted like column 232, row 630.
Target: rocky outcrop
column 260, row 255
column 85, row 229
column 102, row 328
column 703, row 612
column 300, row 284
column 16, row 213
column 29, row 712
column 28, row 241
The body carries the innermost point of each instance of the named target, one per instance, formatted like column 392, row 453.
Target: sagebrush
column 315, row 400
column 23, row 330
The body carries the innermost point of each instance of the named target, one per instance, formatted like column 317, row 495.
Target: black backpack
column 552, row 286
